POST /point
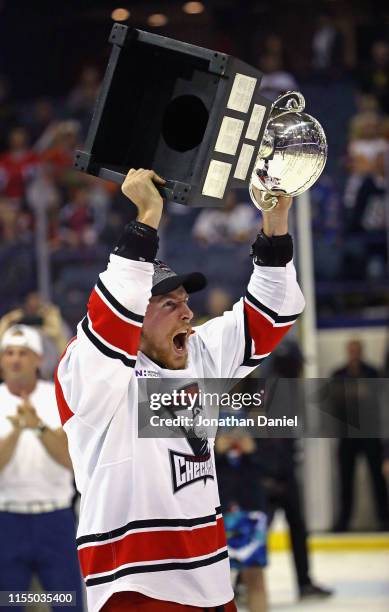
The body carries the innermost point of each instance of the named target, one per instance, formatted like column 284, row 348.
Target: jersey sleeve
column 240, row 339
column 94, row 372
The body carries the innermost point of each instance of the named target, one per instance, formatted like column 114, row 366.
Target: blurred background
column 58, row 226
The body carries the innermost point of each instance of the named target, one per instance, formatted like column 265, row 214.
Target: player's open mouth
column 179, row 341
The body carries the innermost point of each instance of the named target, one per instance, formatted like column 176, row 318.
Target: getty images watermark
column 322, row 408
column 193, row 401
column 201, row 408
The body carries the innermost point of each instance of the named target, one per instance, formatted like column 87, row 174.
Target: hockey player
column 151, row 534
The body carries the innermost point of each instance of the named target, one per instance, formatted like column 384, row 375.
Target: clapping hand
column 26, row 416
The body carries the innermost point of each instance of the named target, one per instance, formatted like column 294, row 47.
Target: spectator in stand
column 375, row 75
column 18, row 164
column 38, row 117
column 112, row 228
column 365, row 187
column 77, row 219
column 100, row 200
column 8, row 220
column 276, row 80
column 350, row 448
column 365, row 103
column 46, row 318
column 82, row 98
column 274, row 44
column 235, row 223
column 327, row 47
column 218, row 301
column 326, row 211
column 57, row 145
column 15, row 222
column 16, row 253
column 44, row 194
column 36, row 480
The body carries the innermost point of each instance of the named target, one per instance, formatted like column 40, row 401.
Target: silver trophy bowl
column 292, row 154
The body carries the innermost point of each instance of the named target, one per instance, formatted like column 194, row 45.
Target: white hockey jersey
column 137, row 531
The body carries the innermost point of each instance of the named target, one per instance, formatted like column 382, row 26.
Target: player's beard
column 164, row 356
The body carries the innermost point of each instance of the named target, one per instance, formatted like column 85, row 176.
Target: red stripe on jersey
column 262, row 331
column 63, row 408
column 119, row 333
column 152, row 546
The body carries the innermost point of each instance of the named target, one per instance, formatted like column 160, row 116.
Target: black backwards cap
column 165, row 280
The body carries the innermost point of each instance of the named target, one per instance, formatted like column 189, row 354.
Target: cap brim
column 195, row 281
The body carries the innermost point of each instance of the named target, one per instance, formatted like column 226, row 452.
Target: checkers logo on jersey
column 187, row 469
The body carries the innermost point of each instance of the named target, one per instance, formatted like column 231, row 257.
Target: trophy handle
column 289, row 102
column 168, row 191
column 267, row 201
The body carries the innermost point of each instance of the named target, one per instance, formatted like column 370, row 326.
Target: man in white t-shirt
column 36, row 480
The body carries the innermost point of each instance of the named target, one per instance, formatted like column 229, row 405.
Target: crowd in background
column 83, row 215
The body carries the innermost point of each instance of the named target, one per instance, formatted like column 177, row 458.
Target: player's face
column 19, row 364
column 166, row 329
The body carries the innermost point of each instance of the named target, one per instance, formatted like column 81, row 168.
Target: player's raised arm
column 94, row 372
column 244, row 336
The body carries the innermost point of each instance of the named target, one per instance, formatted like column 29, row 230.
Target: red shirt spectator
column 57, row 146
column 18, row 165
